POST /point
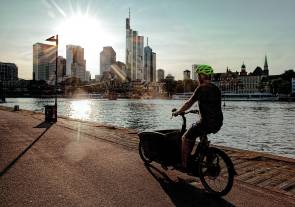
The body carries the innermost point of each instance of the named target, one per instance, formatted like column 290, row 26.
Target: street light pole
column 56, row 59
column 49, row 110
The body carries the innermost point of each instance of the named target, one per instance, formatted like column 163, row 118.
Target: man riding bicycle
column 209, row 100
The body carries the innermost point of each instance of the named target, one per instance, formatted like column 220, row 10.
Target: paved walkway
column 85, row 164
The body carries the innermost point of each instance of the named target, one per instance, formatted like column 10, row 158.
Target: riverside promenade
column 74, row 163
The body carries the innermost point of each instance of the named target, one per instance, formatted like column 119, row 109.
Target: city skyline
column 182, row 33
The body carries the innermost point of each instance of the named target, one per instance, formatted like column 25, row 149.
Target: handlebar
column 183, row 128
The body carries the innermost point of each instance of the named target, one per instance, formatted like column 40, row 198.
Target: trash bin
column 16, row 108
column 50, row 113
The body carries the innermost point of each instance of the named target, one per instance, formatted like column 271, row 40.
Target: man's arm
column 188, row 103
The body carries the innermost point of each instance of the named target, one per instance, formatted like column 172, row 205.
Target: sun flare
column 86, row 31
column 80, row 109
column 80, row 29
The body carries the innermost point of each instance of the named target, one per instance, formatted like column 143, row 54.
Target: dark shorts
column 198, row 129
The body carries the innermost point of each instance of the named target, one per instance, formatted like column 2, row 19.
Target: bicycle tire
column 212, row 151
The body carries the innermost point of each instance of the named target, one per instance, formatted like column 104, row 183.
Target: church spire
column 265, row 62
column 265, row 71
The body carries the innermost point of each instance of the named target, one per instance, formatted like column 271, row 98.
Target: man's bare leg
column 187, row 147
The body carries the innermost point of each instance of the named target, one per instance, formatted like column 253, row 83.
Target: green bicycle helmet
column 204, row 69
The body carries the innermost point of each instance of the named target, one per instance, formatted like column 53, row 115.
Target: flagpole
column 55, row 88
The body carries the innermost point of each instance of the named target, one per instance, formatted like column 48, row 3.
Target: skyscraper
column 149, row 71
column 61, row 68
column 76, row 64
column 44, row 56
column 160, row 75
column 107, row 58
column 154, row 67
column 186, row 75
column 134, row 53
column 194, row 74
column 87, row 76
column 8, row 72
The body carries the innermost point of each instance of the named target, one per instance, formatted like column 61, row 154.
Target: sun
column 80, row 29
column 86, row 31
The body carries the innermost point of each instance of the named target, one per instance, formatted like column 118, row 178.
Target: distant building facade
column 160, row 75
column 243, row 70
column 249, row 84
column 194, row 74
column 8, row 72
column 87, row 76
column 242, row 82
column 61, row 68
column 293, row 86
column 154, row 64
column 122, row 66
column 44, row 57
column 186, row 75
column 149, row 73
column 76, row 64
column 107, row 58
column 134, row 53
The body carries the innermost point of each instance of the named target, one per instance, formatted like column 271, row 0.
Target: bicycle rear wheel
column 216, row 171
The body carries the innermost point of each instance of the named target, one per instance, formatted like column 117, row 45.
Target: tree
column 288, row 75
column 189, row 85
column 179, row 87
column 280, row 86
column 170, row 86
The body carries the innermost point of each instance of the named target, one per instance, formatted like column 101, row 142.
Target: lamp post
column 55, row 39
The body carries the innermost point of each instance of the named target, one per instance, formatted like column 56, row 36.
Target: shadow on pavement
column 184, row 194
column 44, row 124
column 13, row 162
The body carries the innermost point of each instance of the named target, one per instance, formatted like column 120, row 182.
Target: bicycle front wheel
column 216, row 171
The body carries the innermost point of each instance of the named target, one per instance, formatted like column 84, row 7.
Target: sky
column 182, row 32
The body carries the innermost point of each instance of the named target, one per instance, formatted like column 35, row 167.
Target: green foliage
column 179, row 87
column 288, row 75
column 282, row 84
column 170, row 86
column 185, row 86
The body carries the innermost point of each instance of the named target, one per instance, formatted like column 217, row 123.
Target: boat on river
column 249, row 97
column 182, row 96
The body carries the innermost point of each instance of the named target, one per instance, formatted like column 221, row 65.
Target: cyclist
column 209, row 101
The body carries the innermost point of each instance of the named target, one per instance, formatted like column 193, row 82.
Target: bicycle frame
column 202, row 146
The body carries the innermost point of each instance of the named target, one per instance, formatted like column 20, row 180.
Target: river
column 258, row 126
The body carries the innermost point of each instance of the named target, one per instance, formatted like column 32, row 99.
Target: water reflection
column 80, row 109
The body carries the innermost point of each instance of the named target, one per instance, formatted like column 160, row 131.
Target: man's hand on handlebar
column 175, row 112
